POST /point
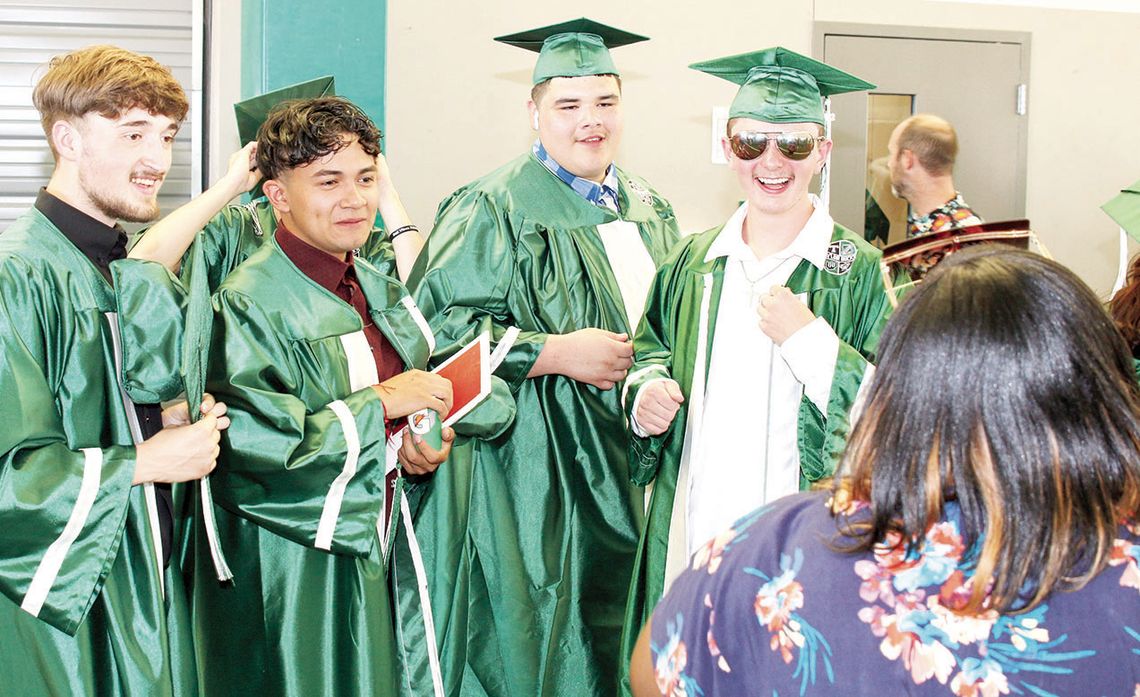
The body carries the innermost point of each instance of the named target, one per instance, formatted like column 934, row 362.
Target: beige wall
column 224, row 88
column 456, row 99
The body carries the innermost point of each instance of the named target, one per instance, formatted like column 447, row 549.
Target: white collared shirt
column 746, row 452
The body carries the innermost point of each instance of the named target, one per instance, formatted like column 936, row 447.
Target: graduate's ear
column 276, row 194
column 824, row 151
column 724, row 145
column 67, row 140
column 533, row 109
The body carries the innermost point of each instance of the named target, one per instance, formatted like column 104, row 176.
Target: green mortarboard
column 572, row 49
column 1124, row 208
column 251, row 113
column 781, row 86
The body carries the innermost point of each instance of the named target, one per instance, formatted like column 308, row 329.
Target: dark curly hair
column 300, row 131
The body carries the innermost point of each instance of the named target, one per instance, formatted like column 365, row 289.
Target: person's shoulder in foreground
column 769, row 602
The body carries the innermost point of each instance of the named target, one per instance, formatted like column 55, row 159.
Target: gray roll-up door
column 33, row 31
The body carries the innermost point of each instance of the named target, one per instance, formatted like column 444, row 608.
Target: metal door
column 974, row 79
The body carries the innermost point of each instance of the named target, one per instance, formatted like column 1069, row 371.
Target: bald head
column 932, row 140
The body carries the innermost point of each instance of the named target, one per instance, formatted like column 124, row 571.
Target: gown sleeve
column 652, row 361
column 153, row 303
column 63, row 504
column 463, row 279
column 152, row 306
column 858, row 340
column 314, row 476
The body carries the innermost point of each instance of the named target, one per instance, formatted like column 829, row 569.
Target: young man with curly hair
column 319, row 354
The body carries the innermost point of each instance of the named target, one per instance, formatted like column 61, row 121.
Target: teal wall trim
column 288, row 41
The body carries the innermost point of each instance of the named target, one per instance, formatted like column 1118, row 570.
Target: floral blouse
column 952, row 214
column 768, row 608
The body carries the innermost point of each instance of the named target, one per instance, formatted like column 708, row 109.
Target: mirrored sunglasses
column 794, row 145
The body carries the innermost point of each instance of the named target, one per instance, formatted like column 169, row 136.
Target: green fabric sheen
column 320, row 622
column 529, row 537
column 154, row 369
column 778, row 95
column 1124, row 209
column 780, row 86
column 154, row 327
column 104, row 629
column 854, row 304
column 575, row 54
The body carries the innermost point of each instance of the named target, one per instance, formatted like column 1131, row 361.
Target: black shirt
column 102, row 245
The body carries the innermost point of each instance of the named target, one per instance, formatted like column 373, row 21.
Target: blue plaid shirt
column 604, row 194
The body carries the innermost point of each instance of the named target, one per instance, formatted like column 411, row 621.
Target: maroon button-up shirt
column 339, row 278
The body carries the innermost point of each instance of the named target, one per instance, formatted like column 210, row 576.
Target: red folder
column 469, row 371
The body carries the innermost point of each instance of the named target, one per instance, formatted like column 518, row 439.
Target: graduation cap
column 576, row 48
column 252, row 112
column 781, row 86
column 1124, row 208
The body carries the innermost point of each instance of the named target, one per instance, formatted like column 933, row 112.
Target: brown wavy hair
column 107, row 80
column 1003, row 383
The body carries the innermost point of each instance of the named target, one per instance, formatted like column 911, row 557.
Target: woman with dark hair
column 986, row 541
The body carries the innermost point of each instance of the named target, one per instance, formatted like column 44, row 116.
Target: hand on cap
column 242, row 173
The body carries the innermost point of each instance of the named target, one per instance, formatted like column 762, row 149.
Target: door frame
column 1023, row 39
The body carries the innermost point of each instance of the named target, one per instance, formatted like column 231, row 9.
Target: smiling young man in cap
column 531, row 534
column 229, row 232
column 756, row 334
column 204, row 240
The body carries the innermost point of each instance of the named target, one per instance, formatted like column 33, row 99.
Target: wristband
column 401, row 230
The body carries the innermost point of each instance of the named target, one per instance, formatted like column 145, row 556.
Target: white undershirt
column 746, row 451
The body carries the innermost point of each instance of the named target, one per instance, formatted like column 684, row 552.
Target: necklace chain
column 753, row 296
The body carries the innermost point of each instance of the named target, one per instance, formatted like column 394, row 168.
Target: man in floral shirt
column 921, row 151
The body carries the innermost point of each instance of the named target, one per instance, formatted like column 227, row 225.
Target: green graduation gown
column 300, row 486
column 85, row 606
column 675, row 340
column 155, row 365
column 153, row 331
column 529, row 536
